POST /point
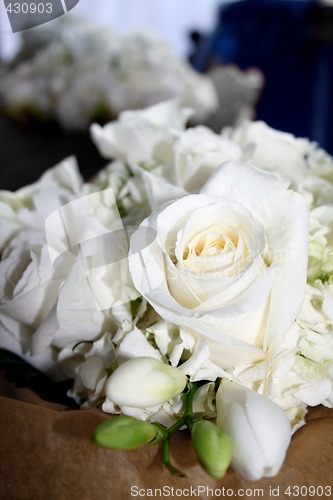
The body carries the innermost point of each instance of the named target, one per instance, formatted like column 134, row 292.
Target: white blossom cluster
column 82, row 72
column 211, row 253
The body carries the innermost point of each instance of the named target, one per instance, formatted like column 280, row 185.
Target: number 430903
column 309, row 491
column 29, row 8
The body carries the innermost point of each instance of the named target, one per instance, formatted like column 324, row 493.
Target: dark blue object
column 291, row 42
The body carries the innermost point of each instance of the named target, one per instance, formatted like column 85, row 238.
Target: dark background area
column 27, row 151
column 291, row 42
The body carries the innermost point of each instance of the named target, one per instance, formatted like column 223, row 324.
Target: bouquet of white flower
column 82, row 72
column 189, row 284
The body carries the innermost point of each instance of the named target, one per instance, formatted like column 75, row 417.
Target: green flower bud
column 124, row 433
column 212, row 446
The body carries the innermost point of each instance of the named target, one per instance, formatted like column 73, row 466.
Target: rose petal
column 284, row 215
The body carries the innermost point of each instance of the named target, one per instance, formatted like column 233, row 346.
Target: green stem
column 188, row 413
column 166, row 459
column 186, row 419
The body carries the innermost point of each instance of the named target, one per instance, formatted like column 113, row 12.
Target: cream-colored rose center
column 214, row 256
column 210, row 244
column 219, row 247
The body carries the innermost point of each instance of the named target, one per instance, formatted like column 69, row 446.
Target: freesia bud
column 144, row 382
column 212, row 446
column 259, row 430
column 124, row 433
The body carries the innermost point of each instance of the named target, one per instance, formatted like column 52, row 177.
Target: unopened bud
column 144, row 382
column 259, row 429
column 212, row 446
column 124, row 433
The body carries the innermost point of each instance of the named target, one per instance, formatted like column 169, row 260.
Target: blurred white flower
column 85, row 71
column 198, row 153
column 155, row 145
column 28, row 207
column 308, row 167
column 142, row 137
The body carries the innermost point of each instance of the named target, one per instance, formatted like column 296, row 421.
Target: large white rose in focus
column 229, row 262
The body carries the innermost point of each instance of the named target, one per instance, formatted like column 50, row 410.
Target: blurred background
column 270, row 60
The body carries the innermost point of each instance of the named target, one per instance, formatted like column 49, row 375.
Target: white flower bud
column 259, row 430
column 144, row 382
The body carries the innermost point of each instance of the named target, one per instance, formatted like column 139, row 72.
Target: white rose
column 144, row 142
column 165, row 160
column 28, row 290
column 198, row 153
column 28, row 283
column 280, row 152
column 42, row 307
column 97, row 281
column 29, row 206
column 144, row 136
column 229, row 263
column 273, row 150
column 65, row 282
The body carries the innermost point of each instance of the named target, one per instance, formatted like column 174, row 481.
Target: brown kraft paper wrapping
column 47, row 453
